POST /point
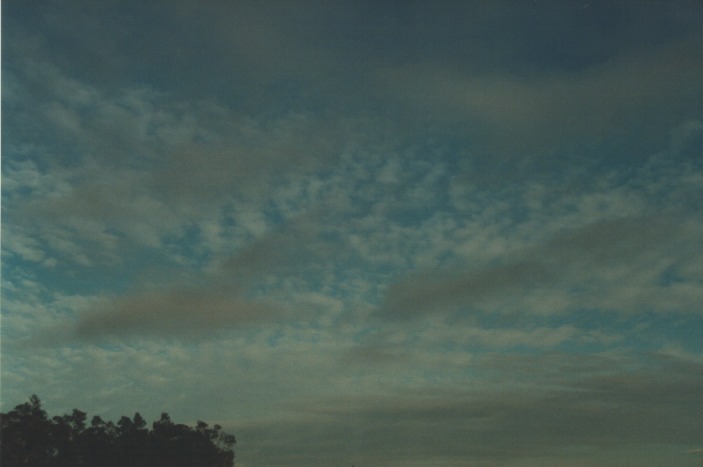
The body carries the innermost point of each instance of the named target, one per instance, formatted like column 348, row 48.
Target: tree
column 29, row 437
column 25, row 435
column 67, row 438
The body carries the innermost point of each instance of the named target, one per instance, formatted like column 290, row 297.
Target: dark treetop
column 29, row 437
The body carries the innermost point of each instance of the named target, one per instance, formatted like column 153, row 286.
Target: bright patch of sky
column 370, row 233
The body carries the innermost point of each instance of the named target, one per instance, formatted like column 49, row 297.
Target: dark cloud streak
column 573, row 259
column 177, row 312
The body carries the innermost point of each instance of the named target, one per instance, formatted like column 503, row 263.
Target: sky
column 361, row 233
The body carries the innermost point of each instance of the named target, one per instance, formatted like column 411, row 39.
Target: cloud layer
column 361, row 234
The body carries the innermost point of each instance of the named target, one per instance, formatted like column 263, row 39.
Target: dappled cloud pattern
column 361, row 233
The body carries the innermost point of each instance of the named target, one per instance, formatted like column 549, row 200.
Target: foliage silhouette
column 29, row 437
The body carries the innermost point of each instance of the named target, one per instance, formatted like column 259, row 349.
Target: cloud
column 209, row 226
column 496, row 408
column 625, row 256
column 522, row 113
column 567, row 415
column 133, row 168
column 182, row 312
column 259, row 283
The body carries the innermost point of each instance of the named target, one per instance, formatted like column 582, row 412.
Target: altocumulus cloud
column 628, row 257
column 360, row 233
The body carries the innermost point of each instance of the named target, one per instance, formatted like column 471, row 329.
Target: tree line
column 29, row 437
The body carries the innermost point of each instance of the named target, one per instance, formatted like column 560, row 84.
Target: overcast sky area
column 371, row 233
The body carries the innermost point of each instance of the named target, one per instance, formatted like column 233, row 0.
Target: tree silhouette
column 29, row 437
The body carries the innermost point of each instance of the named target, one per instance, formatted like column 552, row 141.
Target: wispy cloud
column 629, row 257
column 541, row 421
column 528, row 112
